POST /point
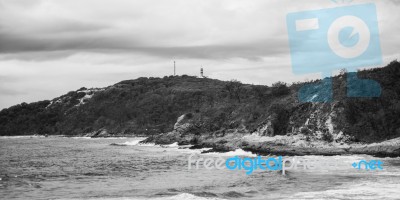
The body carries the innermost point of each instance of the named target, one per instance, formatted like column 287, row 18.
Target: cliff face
column 189, row 107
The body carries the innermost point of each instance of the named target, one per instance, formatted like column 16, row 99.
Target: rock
column 266, row 129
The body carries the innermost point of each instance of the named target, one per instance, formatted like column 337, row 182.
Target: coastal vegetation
column 151, row 106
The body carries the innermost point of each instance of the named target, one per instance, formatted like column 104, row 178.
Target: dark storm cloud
column 143, row 29
column 251, row 51
column 54, row 47
column 56, row 35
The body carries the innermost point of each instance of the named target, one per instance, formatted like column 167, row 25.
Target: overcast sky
column 50, row 47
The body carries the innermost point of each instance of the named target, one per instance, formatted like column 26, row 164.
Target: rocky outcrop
column 265, row 129
column 261, row 143
column 390, row 148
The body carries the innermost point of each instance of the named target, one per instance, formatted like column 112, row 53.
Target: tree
column 234, row 87
column 260, row 93
column 280, row 88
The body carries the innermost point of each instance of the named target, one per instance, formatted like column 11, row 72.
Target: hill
column 150, row 106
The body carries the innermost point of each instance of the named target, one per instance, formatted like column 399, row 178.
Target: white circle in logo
column 359, row 27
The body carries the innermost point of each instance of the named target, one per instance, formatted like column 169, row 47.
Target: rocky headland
column 225, row 115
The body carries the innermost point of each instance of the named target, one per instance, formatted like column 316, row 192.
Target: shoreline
column 279, row 145
column 260, row 145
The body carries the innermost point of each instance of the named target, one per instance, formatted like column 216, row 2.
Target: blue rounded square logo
column 322, row 41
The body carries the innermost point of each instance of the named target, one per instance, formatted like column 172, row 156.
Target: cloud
column 175, row 28
column 55, row 46
column 49, row 47
column 222, row 29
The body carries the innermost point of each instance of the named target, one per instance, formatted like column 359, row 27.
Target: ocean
column 120, row 168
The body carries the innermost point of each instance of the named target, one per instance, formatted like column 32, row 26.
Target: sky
column 51, row 47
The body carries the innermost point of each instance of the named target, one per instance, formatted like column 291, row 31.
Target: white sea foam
column 192, row 197
column 171, row 145
column 192, row 151
column 360, row 191
column 183, row 196
column 81, row 137
column 148, row 145
column 98, row 138
column 132, row 143
column 22, row 136
column 237, row 152
column 136, row 142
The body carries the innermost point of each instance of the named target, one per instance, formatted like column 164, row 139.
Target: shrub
column 326, row 136
column 281, row 120
column 280, row 89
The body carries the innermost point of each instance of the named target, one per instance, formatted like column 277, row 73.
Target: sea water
column 85, row 168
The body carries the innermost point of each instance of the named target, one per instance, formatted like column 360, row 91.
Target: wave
column 80, row 137
column 190, row 151
column 171, row 145
column 365, row 190
column 22, row 136
column 148, row 145
column 237, row 152
column 58, row 136
column 135, row 142
column 98, row 138
column 111, row 138
column 132, row 143
column 183, row 196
